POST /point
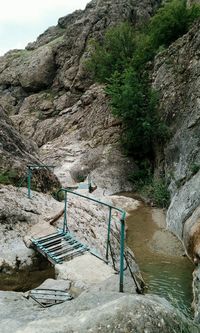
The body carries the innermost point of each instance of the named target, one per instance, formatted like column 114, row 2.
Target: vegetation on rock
column 122, row 61
column 9, row 177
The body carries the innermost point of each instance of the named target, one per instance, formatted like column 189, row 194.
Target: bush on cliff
column 122, row 62
column 115, row 54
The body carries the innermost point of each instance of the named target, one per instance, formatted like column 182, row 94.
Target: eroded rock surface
column 51, row 97
column 17, row 215
column 176, row 77
column 92, row 312
column 16, row 152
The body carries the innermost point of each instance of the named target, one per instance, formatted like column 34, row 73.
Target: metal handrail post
column 29, row 181
column 65, row 214
column 122, row 236
column 108, row 235
column 94, row 200
column 122, row 232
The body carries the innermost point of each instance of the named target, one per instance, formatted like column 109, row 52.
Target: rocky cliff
column 176, row 77
column 51, row 98
column 16, row 152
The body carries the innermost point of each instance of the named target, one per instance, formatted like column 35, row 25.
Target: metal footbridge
column 63, row 246
column 59, row 246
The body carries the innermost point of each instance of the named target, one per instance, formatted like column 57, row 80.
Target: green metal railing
column 122, row 228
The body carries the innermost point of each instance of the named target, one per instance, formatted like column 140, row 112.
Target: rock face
column 14, row 149
column 49, row 93
column 17, row 215
column 15, row 153
column 176, row 77
column 92, row 312
column 50, row 98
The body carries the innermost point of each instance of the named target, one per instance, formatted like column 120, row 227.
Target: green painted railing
column 122, row 227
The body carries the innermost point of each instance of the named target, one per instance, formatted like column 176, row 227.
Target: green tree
column 133, row 101
column 121, row 61
column 115, row 54
column 171, row 22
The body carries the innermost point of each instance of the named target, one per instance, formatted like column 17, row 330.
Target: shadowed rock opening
column 28, row 278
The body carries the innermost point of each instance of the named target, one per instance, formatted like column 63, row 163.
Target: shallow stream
column 166, row 271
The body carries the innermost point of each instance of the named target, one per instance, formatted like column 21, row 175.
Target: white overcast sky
column 21, row 21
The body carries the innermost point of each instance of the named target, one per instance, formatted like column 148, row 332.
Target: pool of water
column 166, row 275
column 26, row 279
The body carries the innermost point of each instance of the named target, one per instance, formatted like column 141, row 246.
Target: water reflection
column 166, row 275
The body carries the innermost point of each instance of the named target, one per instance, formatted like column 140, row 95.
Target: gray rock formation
column 18, row 215
column 14, row 149
column 15, row 153
column 49, row 93
column 196, row 293
column 176, row 77
column 51, row 99
column 93, row 312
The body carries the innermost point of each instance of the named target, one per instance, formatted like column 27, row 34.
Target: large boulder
column 93, row 312
column 32, row 70
column 37, row 70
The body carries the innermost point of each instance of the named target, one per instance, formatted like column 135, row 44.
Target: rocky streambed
column 97, row 306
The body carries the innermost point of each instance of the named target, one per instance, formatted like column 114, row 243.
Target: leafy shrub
column 194, row 168
column 171, row 22
column 58, row 195
column 134, row 102
column 121, row 61
column 161, row 194
column 8, row 177
column 115, row 54
column 157, row 191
